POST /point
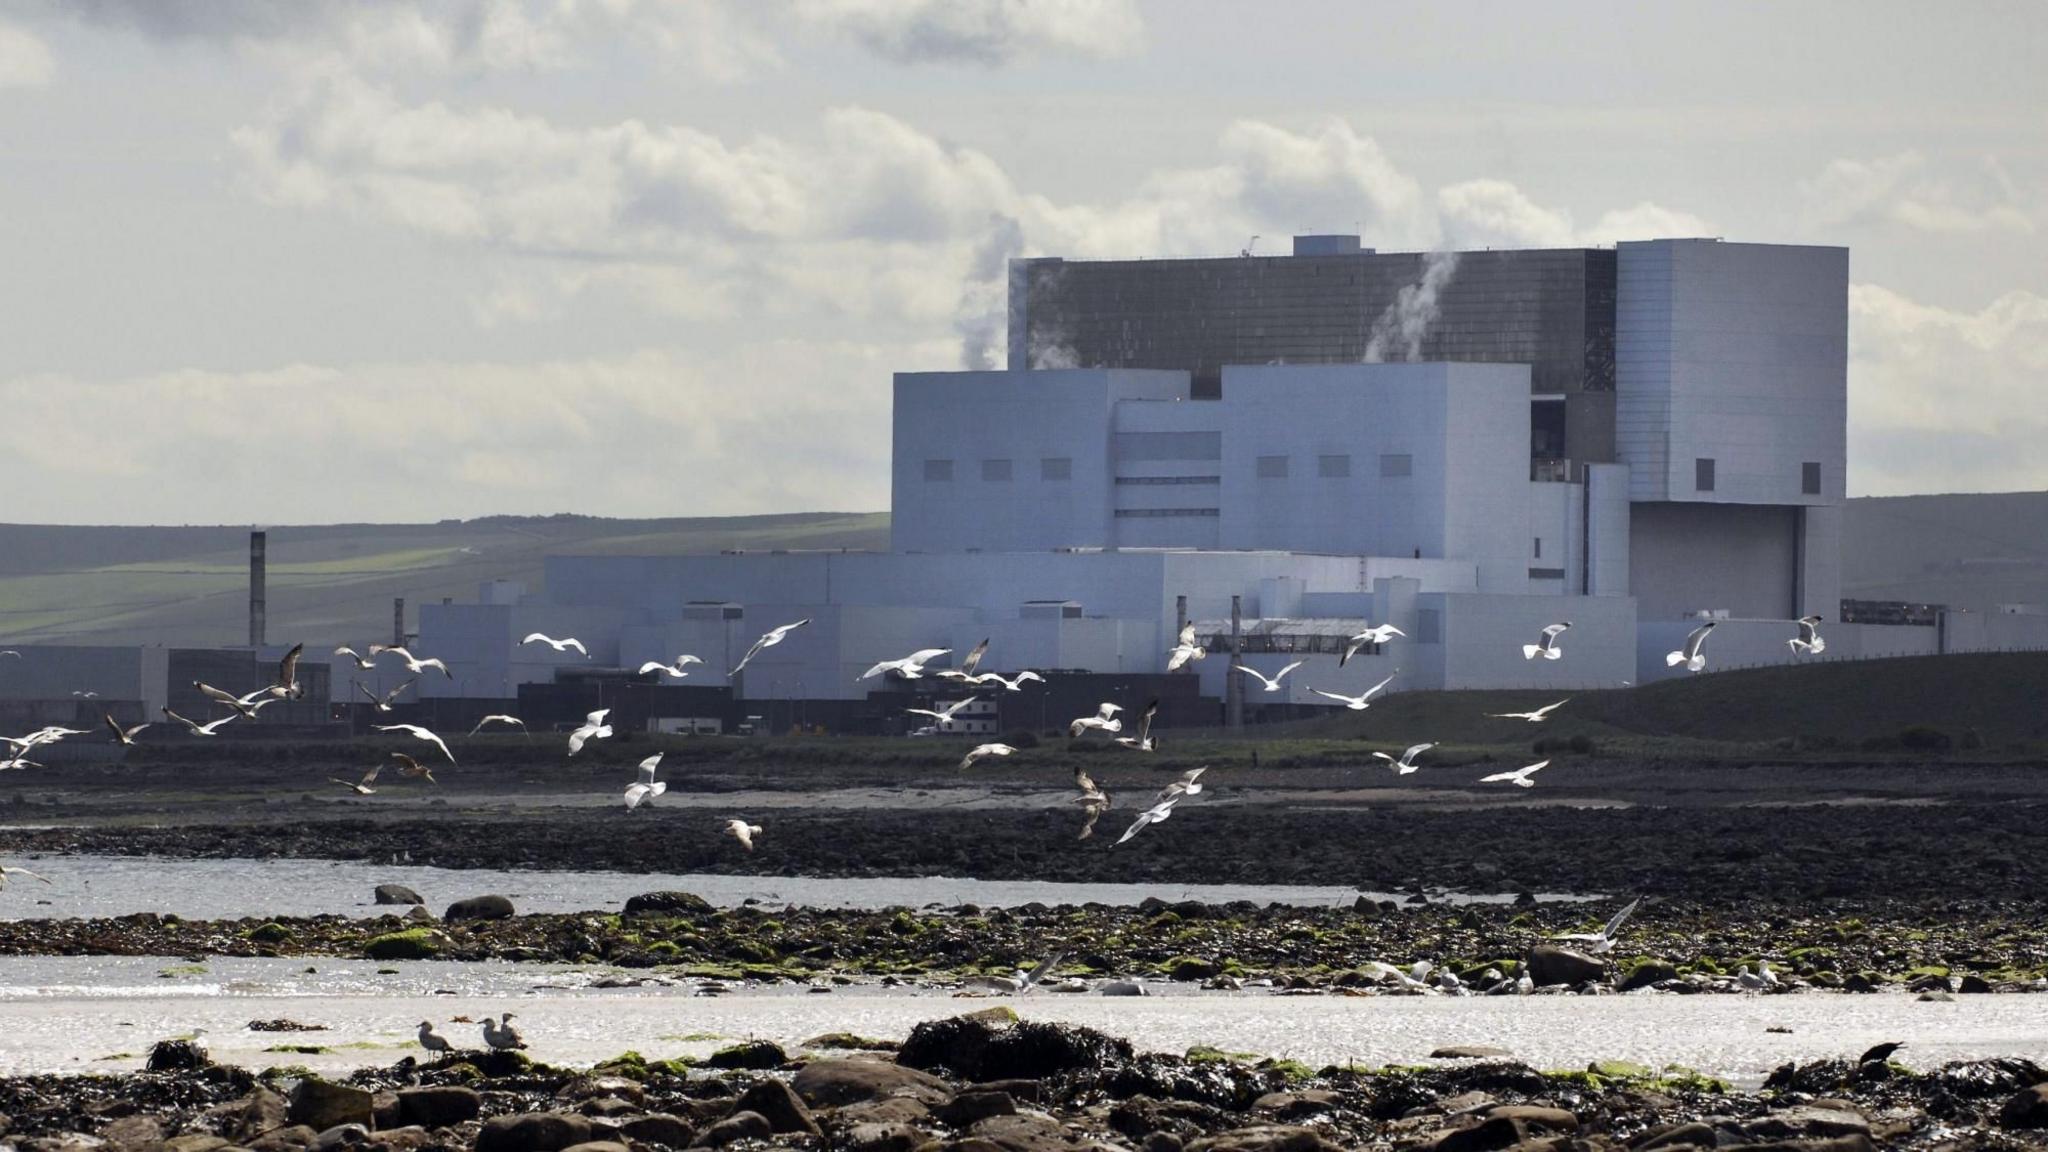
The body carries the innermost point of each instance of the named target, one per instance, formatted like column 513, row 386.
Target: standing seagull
column 1143, row 741
column 946, row 713
column 501, row 1035
column 1547, row 646
column 1105, row 718
column 743, row 832
column 500, row 718
column 592, row 728
column 1185, row 650
column 769, row 639
column 981, row 750
column 1536, row 717
column 562, row 645
column 1603, row 941
column 910, row 667
column 1406, row 763
column 673, row 671
column 1519, row 777
column 1809, row 641
column 1152, row 815
column 1690, row 655
column 1357, row 703
column 646, row 787
column 431, row 1040
column 1272, row 683
column 125, row 737
column 418, row 733
column 1379, row 635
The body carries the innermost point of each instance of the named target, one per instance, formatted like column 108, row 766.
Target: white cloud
column 25, row 61
column 1495, row 213
column 1902, row 189
column 1941, row 400
column 989, row 32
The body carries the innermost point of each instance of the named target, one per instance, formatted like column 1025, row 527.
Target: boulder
column 597, row 1146
column 2028, row 1109
column 1194, row 968
column 1645, row 974
column 1675, row 1136
column 533, row 1132
column 736, row 1127
column 755, row 1054
column 1297, row 1105
column 1549, row 964
column 1805, row 1123
column 776, row 1102
column 1470, row 1052
column 666, row 904
column 132, row 1133
column 1020, row 1132
column 193, row 1142
column 287, row 1139
column 1165, row 1141
column 438, row 1107
column 396, row 894
column 1264, row 1138
column 837, row 1083
column 479, row 908
column 1123, row 988
column 884, row 1137
column 969, row 1108
column 177, row 1056
column 340, row 1136
column 659, row 1128
column 991, row 1046
column 321, row 1104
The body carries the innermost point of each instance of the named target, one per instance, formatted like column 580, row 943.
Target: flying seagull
column 125, row 737
column 1143, row 741
column 1152, row 815
column 1185, row 650
column 743, row 832
column 1547, row 646
column 1690, row 655
column 1189, row 784
column 1406, row 763
column 1603, row 941
column 383, row 703
column 360, row 787
column 673, row 671
column 1519, row 777
column 562, row 645
column 287, row 686
column 981, row 750
column 592, row 728
column 966, row 669
column 210, row 728
column 1043, row 970
column 7, row 870
column 946, row 713
column 1356, row 703
column 1094, row 801
column 413, row 769
column 646, row 787
column 1536, row 717
column 1105, row 718
column 500, row 718
column 1379, row 635
column 910, row 667
column 244, row 706
column 1016, row 685
column 1272, row 683
column 88, row 694
column 1809, row 642
column 363, row 663
column 414, row 664
column 769, row 639
column 417, row 733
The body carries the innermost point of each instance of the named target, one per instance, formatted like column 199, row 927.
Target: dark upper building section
column 1552, row 309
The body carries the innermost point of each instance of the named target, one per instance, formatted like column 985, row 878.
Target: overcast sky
column 412, row 259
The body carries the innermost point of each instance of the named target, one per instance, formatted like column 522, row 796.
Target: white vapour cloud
column 1903, row 189
column 988, row 32
column 1495, row 213
column 1942, row 400
column 1397, row 333
column 25, row 61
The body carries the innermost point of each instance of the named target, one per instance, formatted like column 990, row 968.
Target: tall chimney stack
column 257, row 544
column 398, row 620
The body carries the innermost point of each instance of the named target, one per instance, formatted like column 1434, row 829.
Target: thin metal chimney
column 1233, row 684
column 398, row 621
column 257, row 546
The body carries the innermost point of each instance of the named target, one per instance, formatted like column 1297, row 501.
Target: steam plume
column 1397, row 334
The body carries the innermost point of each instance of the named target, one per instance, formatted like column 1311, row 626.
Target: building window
column 1809, row 477
column 1539, row 547
column 997, row 471
column 1546, row 573
column 1396, row 464
column 1333, row 467
column 1146, row 480
column 938, row 470
column 1157, row 513
column 1272, row 467
column 1703, row 474
column 1429, row 626
column 1056, row 468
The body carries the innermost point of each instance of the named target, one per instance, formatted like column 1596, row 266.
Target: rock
column 1020, row 1132
column 479, row 908
column 756, row 1054
column 132, row 1132
column 193, row 1142
column 884, row 1137
column 284, row 1139
column 177, row 1055
column 1297, row 1105
column 1123, row 988
column 1695, row 1134
column 738, row 1126
column 985, row 1046
column 1805, row 1123
column 836, row 1083
column 597, row 1087
column 340, row 1136
column 396, row 894
column 969, row 1108
column 1973, row 985
column 1164, row 1141
column 533, row 1132
column 659, row 1128
column 1470, row 1052
column 1645, row 974
column 1549, row 964
column 1192, row 968
column 438, row 1107
column 2028, row 1109
column 259, row 1112
column 597, row 1146
column 1264, row 1138
column 1535, row 1118
column 779, row 1105
column 320, row 1105
column 666, row 904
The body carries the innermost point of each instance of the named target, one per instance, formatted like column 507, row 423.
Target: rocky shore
column 1677, row 946
column 989, row 1083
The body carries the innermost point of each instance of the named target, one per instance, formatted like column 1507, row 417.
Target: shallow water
column 69, row 1014
column 85, row 886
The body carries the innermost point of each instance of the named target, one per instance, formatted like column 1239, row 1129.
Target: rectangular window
column 1333, row 467
column 1396, row 464
column 938, row 470
column 1158, row 513
column 1703, row 474
column 1429, row 626
column 1546, row 573
column 1809, row 477
column 1272, row 467
column 1056, row 468
column 997, row 471
column 1539, row 547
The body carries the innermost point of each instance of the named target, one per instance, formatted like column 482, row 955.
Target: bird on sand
column 210, row 728
column 363, row 663
column 1547, row 646
column 1379, row 635
column 413, row 664
column 981, row 750
column 413, row 769
column 418, row 733
column 592, row 728
column 1690, row 654
column 1519, row 777
column 944, row 714
column 646, row 787
column 360, row 787
column 1152, row 815
column 910, row 667
column 967, row 666
column 769, row 639
column 7, row 870
column 1406, row 763
column 562, row 645
column 1359, row 702
column 743, row 832
column 383, row 703
column 673, row 671
column 1881, row 1052
column 1185, row 650
column 1758, row 980
column 1143, row 741
column 1602, row 941
column 431, row 1040
column 125, row 737
column 500, row 718
column 1015, row 685
column 1105, row 718
column 1536, row 717
column 500, row 1035
column 1189, row 784
column 1809, row 642
column 1272, row 682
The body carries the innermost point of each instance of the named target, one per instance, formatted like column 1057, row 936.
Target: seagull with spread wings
column 383, row 703
column 910, row 667
column 675, row 671
column 210, row 728
column 1185, row 650
column 592, row 728
column 1809, row 642
column 769, row 639
column 1359, row 702
column 1546, row 645
column 1536, row 717
column 1406, row 764
column 1520, row 777
column 418, row 733
column 125, row 737
column 1105, row 718
column 1379, row 635
column 646, row 787
column 562, row 645
column 1690, row 654
column 1143, row 741
column 1272, row 682
column 981, row 750
column 1603, row 940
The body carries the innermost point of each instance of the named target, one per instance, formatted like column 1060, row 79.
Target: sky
column 402, row 260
